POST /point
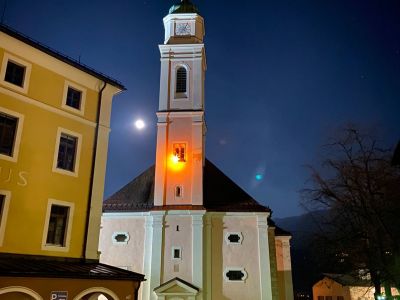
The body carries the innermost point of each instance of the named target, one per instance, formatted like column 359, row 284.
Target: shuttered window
column 181, row 79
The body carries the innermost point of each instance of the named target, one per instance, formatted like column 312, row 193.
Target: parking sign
column 59, row 295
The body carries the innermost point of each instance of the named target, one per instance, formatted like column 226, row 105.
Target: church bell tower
column 181, row 126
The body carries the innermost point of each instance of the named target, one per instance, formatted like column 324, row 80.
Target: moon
column 139, row 124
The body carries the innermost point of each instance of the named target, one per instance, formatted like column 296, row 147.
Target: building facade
column 54, row 127
column 190, row 229
column 345, row 287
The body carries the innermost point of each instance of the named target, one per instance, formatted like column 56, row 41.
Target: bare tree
column 359, row 187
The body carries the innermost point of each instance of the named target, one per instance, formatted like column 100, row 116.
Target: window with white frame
column 15, row 73
column 233, row 238
column 235, row 274
column 181, row 82
column 10, row 134
column 67, row 152
column 74, row 97
column 57, row 230
column 120, row 238
column 176, row 253
column 4, row 204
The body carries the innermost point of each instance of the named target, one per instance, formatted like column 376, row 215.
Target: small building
column 54, row 128
column 344, row 287
column 187, row 226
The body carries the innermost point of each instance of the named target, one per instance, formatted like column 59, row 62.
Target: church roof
column 184, row 7
column 220, row 194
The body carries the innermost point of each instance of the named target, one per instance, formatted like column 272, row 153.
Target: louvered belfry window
column 181, row 78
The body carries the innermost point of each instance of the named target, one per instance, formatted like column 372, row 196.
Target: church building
column 190, row 229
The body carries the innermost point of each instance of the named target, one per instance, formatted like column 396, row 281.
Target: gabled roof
column 348, row 280
column 220, row 194
column 47, row 267
column 175, row 287
column 64, row 58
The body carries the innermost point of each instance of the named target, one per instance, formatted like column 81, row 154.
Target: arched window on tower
column 181, row 80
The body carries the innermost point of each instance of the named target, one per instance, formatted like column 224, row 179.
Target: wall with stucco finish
column 329, row 287
column 181, row 268
column 272, row 259
column 245, row 255
column 123, row 255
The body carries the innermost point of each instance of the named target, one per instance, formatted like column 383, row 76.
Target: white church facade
column 183, row 223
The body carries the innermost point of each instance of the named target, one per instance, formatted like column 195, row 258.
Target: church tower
column 193, row 232
column 181, row 125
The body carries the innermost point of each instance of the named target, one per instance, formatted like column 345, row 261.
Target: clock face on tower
column 183, row 29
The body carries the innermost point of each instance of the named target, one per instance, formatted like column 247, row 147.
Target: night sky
column 282, row 76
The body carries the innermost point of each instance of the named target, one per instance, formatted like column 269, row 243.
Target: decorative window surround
column 61, row 131
column 68, row 228
column 79, row 88
column 18, row 134
column 230, row 242
column 181, row 93
column 235, row 269
column 118, row 235
column 4, row 213
column 176, row 253
column 27, row 74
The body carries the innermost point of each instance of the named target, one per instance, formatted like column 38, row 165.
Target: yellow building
column 54, row 128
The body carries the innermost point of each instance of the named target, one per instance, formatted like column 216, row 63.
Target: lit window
column 176, row 253
column 56, row 232
column 67, row 152
column 179, row 152
column 235, row 274
column 15, row 73
column 74, row 98
column 8, row 130
column 181, row 79
column 120, row 238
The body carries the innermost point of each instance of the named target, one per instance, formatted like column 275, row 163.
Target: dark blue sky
column 282, row 76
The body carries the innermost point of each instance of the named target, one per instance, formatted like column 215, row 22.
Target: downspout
column 94, row 153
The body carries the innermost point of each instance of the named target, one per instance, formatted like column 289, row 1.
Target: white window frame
column 18, row 134
column 228, row 242
column 181, row 96
column 81, row 110
column 241, row 269
column 3, row 221
column 115, row 242
column 28, row 68
column 60, row 131
column 50, row 247
column 172, row 253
